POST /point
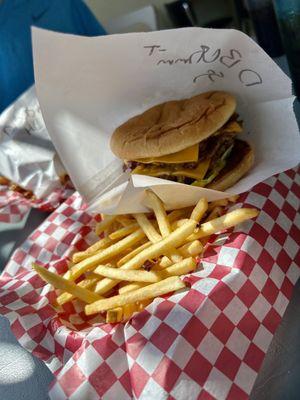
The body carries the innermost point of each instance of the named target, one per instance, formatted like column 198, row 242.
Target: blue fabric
column 16, row 18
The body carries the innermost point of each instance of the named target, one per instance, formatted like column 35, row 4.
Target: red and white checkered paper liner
column 204, row 343
column 14, row 206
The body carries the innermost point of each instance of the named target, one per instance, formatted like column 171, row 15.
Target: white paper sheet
column 27, row 155
column 89, row 86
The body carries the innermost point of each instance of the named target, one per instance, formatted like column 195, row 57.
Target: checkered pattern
column 204, row 343
column 14, row 206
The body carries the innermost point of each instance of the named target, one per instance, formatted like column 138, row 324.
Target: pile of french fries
column 141, row 256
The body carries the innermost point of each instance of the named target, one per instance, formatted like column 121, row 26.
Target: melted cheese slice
column 187, row 155
column 151, row 171
column 197, row 173
column 232, row 127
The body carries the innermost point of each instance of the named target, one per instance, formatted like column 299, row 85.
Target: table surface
column 23, row 376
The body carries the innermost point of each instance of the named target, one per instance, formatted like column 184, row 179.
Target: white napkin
column 89, row 86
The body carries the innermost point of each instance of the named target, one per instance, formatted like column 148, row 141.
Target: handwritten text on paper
column 206, row 55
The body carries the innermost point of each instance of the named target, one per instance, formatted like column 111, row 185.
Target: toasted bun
column 172, row 126
column 238, row 165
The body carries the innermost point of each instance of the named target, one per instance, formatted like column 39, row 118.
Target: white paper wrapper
column 27, row 155
column 89, row 86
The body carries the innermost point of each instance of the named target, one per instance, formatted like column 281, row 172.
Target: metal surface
column 22, row 376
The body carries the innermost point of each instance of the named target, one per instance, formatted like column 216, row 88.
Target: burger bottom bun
column 239, row 163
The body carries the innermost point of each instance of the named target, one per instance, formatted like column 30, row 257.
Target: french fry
column 217, row 203
column 122, row 314
column 104, row 255
column 167, row 268
column 174, row 255
column 215, row 213
column 119, row 311
column 127, row 275
column 147, row 227
column 105, row 223
column 143, row 304
column 183, row 267
column 189, row 249
column 133, row 253
column 119, row 314
column 131, row 286
column 92, row 275
column 178, row 223
column 70, row 264
column 164, row 263
column 105, row 285
column 199, row 210
column 124, row 220
column 126, row 230
column 228, row 220
column 112, row 228
column 60, row 283
column 178, row 214
column 233, row 198
column 86, row 283
column 148, row 292
column 175, row 239
column 114, row 315
column 111, row 317
column 153, row 235
column 193, row 248
column 128, row 310
column 101, row 244
column 160, row 213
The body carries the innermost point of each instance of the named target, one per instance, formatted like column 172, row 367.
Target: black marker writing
column 170, row 62
column 211, row 74
column 153, row 47
column 194, row 58
column 206, row 55
column 231, row 60
column 249, row 77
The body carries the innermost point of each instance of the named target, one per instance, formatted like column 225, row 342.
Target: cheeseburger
column 192, row 141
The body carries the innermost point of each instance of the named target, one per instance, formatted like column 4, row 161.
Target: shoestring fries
column 107, row 221
column 101, row 244
column 219, row 224
column 160, row 213
column 63, row 284
column 148, row 292
column 141, row 256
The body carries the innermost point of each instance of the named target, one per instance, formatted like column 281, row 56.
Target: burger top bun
column 172, row 126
